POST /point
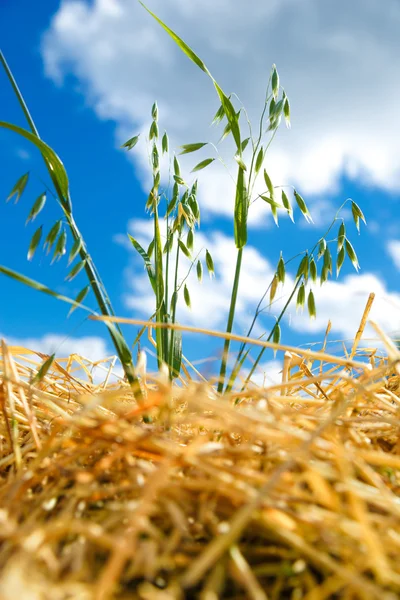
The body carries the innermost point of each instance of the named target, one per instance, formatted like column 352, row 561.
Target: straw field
column 288, row 491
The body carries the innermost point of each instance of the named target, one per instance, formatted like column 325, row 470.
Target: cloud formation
column 92, row 348
column 338, row 62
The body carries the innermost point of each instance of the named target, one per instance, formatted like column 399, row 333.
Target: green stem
column 260, row 355
column 97, row 286
column 231, row 317
column 160, row 311
column 173, row 311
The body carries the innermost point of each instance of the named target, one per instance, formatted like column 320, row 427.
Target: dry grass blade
column 238, row 338
column 292, row 492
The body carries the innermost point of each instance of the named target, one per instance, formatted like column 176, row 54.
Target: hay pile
column 286, row 492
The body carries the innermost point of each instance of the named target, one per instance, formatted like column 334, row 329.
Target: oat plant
column 250, row 153
column 176, row 214
column 57, row 237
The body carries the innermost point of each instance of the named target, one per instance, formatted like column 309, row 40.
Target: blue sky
column 90, row 71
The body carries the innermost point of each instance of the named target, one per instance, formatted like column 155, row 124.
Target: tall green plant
column 176, row 214
column 57, row 236
column 276, row 106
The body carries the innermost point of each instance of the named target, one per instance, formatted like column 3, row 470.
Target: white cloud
column 393, row 248
column 267, row 373
column 92, row 348
column 343, row 303
column 338, row 62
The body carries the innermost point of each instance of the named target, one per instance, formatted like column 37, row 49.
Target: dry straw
column 290, row 491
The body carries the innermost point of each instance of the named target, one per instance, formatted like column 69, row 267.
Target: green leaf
column 321, row 247
column 176, row 354
column 312, row 311
column 43, row 370
column 168, row 244
column 37, row 207
column 164, row 143
column 182, row 45
column 178, row 179
column 301, row 297
column 187, row 148
column 278, row 108
column 156, row 162
column 210, row 264
column 324, row 274
column 150, row 249
column 269, row 185
column 174, row 200
column 274, row 124
column 188, row 215
column 341, row 236
column 131, row 143
column 199, row 270
column 147, row 262
column 274, row 213
column 286, row 111
column 174, row 301
column 219, row 115
column 351, row 254
column 54, row 164
column 186, row 296
column 273, row 288
column 281, row 271
column 60, row 248
column 276, row 337
column 80, row 298
column 75, row 270
column 231, row 114
column 153, row 133
column 194, row 205
column 244, row 144
column 35, row 242
column 259, row 159
column 302, row 206
column 52, row 235
column 18, row 188
column 271, row 202
column 303, row 268
column 184, row 249
column 357, row 215
column 77, row 245
column 240, row 162
column 327, row 266
column 38, row 286
column 226, row 132
column 340, row 260
column 313, row 270
column 328, row 260
column 172, row 204
column 190, row 239
column 275, row 82
column 287, row 205
column 203, row 164
column 177, row 170
column 241, row 210
column 225, row 101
